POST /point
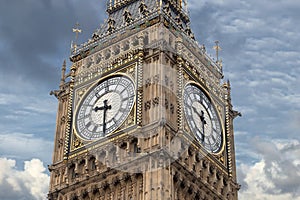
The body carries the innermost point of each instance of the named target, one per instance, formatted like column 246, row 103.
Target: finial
column 166, row 9
column 227, row 85
column 127, row 16
column 76, row 30
column 111, row 25
column 217, row 48
column 110, row 4
column 203, row 48
column 184, row 5
column 143, row 9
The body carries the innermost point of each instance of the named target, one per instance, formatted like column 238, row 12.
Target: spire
column 58, row 93
column 63, row 73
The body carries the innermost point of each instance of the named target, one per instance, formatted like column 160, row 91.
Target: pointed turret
column 63, row 74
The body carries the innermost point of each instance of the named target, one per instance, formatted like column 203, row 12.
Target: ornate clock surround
column 217, row 94
column 206, row 116
column 78, row 145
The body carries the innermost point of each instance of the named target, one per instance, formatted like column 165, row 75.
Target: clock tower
column 143, row 113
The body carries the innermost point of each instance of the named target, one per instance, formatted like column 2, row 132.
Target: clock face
column 105, row 107
column 202, row 118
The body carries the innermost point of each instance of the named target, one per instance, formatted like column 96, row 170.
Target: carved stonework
column 130, row 121
column 77, row 142
column 153, row 153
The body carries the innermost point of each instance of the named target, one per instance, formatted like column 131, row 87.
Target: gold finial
column 217, row 48
column 76, row 30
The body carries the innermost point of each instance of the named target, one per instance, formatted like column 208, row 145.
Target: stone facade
column 153, row 155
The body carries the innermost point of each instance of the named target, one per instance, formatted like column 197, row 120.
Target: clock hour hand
column 105, row 107
column 202, row 118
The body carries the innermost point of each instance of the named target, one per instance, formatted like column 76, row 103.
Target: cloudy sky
column 261, row 55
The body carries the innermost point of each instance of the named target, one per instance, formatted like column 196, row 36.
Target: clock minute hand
column 202, row 118
column 104, row 108
column 195, row 110
column 203, row 123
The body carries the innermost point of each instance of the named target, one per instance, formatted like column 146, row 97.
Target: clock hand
column 195, row 110
column 202, row 118
column 104, row 108
column 203, row 123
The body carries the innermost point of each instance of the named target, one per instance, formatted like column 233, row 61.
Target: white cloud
column 6, row 99
column 259, row 184
column 29, row 183
column 276, row 175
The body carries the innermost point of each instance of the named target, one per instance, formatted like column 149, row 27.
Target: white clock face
column 202, row 118
column 105, row 107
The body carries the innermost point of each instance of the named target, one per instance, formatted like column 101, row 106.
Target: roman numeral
column 106, row 86
column 95, row 129
column 122, row 110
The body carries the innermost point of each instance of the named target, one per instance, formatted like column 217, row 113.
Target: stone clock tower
column 143, row 113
